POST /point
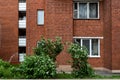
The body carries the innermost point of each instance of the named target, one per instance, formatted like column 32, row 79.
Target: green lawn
column 69, row 76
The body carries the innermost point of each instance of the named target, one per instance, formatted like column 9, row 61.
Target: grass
column 106, row 77
column 70, row 76
column 64, row 76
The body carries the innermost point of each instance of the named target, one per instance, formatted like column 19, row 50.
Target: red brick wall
column 115, row 34
column 59, row 22
column 33, row 31
column 92, row 28
column 9, row 29
column 98, row 62
column 107, row 34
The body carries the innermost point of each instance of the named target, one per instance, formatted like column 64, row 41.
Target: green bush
column 35, row 67
column 81, row 68
column 5, row 69
column 49, row 47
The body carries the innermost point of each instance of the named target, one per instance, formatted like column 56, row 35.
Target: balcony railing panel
column 22, row 6
column 22, row 42
column 22, row 24
column 21, row 57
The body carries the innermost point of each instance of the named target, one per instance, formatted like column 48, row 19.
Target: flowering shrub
column 49, row 47
column 81, row 68
column 35, row 67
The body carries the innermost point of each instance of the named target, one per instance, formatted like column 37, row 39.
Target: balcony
column 22, row 24
column 21, row 57
column 22, row 6
column 22, row 41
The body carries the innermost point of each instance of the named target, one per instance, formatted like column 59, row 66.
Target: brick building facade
column 92, row 23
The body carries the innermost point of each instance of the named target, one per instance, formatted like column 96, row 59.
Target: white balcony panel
column 22, row 24
column 22, row 6
column 22, row 42
column 21, row 57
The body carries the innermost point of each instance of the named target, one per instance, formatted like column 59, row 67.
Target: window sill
column 87, row 19
column 93, row 56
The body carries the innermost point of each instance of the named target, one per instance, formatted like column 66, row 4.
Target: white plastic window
column 40, row 17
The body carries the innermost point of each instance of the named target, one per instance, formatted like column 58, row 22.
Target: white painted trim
column 89, row 37
column 91, row 56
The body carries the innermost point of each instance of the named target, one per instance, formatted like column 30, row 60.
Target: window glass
column 86, row 43
column 95, row 47
column 93, row 10
column 40, row 17
column 78, row 41
column 83, row 10
column 75, row 6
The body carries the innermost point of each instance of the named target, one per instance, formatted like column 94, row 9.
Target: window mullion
column 87, row 10
column 90, row 47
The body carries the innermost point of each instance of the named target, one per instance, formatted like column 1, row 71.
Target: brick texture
column 107, row 35
column 115, row 34
column 9, row 30
column 92, row 28
column 59, row 22
column 33, row 31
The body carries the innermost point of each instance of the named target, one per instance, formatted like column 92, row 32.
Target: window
column 92, row 45
column 86, row 10
column 40, row 17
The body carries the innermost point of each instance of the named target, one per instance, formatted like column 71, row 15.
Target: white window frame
column 90, row 43
column 40, row 17
column 78, row 16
